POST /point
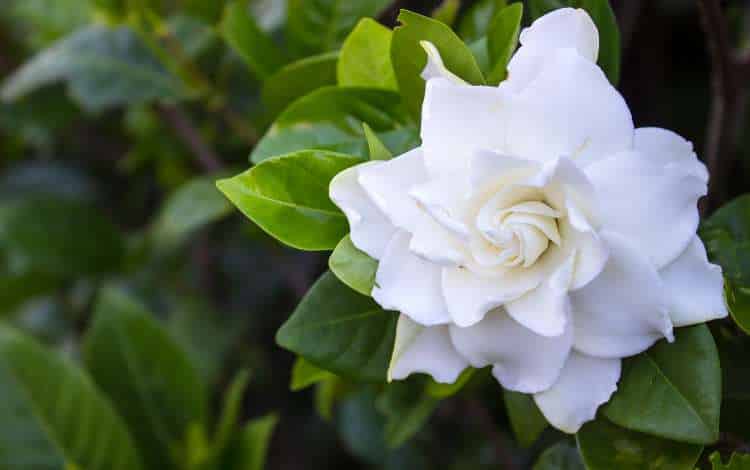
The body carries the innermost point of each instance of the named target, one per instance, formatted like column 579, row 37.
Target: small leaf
column 502, row 40
column 353, row 267
column 605, row 446
column 736, row 462
column 439, row 390
column 327, row 393
column 103, row 68
column 207, row 11
column 244, row 36
column 672, row 390
column 252, row 445
column 305, row 374
column 538, row 8
column 476, row 21
column 407, row 407
column 409, row 58
column 561, row 456
column 297, row 79
column 342, row 331
column 527, row 421
column 365, row 59
column 447, row 11
column 287, row 197
column 230, row 414
column 378, row 150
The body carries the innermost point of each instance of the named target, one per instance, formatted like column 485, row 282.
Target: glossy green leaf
column 252, row 444
column 342, row 331
column 297, row 79
column 447, row 11
column 327, row 393
column 440, row 390
column 527, row 421
column 605, row 446
column 53, row 416
column 102, row 67
column 481, row 54
column 192, row 206
column 736, row 462
column 561, row 456
column 287, row 197
column 475, row 23
column 538, row 8
column 251, row 43
column 378, row 150
column 353, row 267
column 305, row 374
column 502, row 40
column 331, row 118
column 727, row 237
column 321, row 25
column 407, row 406
column 152, row 384
column 672, row 390
column 365, row 57
column 409, row 58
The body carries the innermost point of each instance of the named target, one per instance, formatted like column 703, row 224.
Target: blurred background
column 107, row 163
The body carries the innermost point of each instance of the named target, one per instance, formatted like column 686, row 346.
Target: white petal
column 665, row 147
column 522, row 361
column 546, row 309
column 444, row 199
column 435, row 68
column 561, row 28
column 388, row 184
column 569, row 110
column 585, row 384
column 652, row 205
column 591, row 251
column 424, row 349
column 695, row 287
column 370, row 230
column 435, row 243
column 623, row 311
column 409, row 284
column 488, row 168
column 459, row 120
column 562, row 171
column 469, row 296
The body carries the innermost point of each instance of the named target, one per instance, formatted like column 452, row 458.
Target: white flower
column 535, row 230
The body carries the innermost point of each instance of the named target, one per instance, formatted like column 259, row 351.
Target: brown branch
column 180, row 123
column 727, row 102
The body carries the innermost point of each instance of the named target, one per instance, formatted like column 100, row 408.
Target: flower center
column 519, row 234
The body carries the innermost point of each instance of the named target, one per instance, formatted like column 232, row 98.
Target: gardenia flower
column 535, row 230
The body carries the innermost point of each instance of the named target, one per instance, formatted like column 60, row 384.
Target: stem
column 185, row 130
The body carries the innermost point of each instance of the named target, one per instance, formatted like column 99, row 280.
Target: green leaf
column 378, row 150
column 327, row 393
column 149, row 378
column 527, row 421
column 475, row 23
column 481, row 54
column 287, row 197
column 365, row 57
column 52, row 414
column 736, row 462
column 331, row 118
column 297, row 79
column 447, row 11
column 192, row 206
column 672, row 390
column 252, row 445
column 353, row 267
column 605, row 446
column 440, row 390
column 502, row 40
column 102, row 67
column 320, row 25
column 253, row 45
column 609, row 36
column 230, row 414
column 305, row 374
column 727, row 237
column 561, row 456
column 407, row 407
column 342, row 331
column 538, row 8
column 409, row 59
column 207, row 11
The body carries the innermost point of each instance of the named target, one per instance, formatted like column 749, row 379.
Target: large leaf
column 252, row 44
column 287, row 197
column 736, row 462
column 525, row 418
column 502, row 40
column 353, row 267
column 331, row 118
column 321, row 25
column 53, row 417
column 561, row 456
column 342, row 331
column 103, row 68
column 409, row 58
column 672, row 390
column 365, row 57
column 727, row 237
column 476, row 21
column 605, row 446
column 297, row 79
column 150, row 380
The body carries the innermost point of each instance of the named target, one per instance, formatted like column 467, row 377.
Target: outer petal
column 695, row 287
column 409, row 284
column 570, row 109
column 665, row 147
column 652, row 205
column 424, row 349
column 522, row 361
column 590, row 250
column 370, row 229
column 585, row 383
column 623, row 311
column 388, row 183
